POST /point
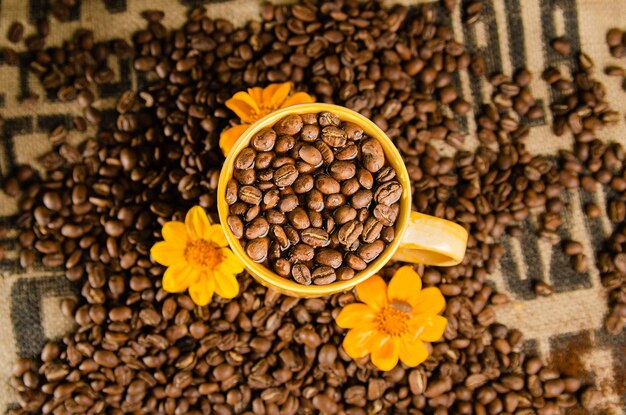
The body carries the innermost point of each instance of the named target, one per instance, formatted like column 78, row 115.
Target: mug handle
column 432, row 241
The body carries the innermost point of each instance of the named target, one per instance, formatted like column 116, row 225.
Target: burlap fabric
column 565, row 328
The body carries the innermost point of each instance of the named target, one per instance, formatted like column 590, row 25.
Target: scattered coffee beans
column 313, row 198
column 100, row 206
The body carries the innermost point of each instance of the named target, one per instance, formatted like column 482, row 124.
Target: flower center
column 203, row 253
column 394, row 318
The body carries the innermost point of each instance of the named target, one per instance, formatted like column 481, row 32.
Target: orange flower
column 197, row 258
column 255, row 104
column 393, row 322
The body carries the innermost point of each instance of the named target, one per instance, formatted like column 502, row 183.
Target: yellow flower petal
column 373, row 292
column 405, row 285
column 230, row 262
column 354, row 315
column 429, row 300
column 431, row 327
column 298, row 98
column 256, row 94
column 275, row 94
column 216, row 235
column 175, row 232
column 226, row 285
column 202, row 291
column 385, row 352
column 357, row 342
column 197, row 223
column 179, row 277
column 167, row 253
column 229, row 137
column 412, row 353
column 245, row 106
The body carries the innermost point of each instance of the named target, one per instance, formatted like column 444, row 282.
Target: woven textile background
column 565, row 328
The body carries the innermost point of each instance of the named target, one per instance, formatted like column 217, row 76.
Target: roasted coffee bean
column 387, row 215
column 264, row 140
column 16, row 32
column 258, row 228
column 342, row 170
column 350, row 232
column 325, row 151
column 301, row 253
column 373, row 155
column 290, row 125
column 388, row 193
column 250, row 195
column 370, row 251
column 323, row 275
column 310, row 155
column 361, row 199
column 327, row 185
column 329, row 257
column 257, row 249
column 301, row 274
column 344, row 214
column 285, row 175
column 371, row 230
column 299, row 218
column 315, row 237
column 334, row 137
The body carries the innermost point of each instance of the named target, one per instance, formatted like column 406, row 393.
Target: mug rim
column 265, row 275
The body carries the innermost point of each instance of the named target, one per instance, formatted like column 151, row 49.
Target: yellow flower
column 393, row 322
column 255, row 104
column 197, row 258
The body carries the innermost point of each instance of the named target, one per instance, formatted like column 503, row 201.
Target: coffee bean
column 342, row 170
column 543, row 289
column 329, row 257
column 315, row 237
column 334, row 137
column 309, row 132
column 323, row 275
column 562, row 46
column 350, row 232
column 311, row 155
column 325, row 151
column 16, row 32
column 345, row 274
column 290, row 125
column 388, row 193
column 258, row 228
column 264, row 140
column 301, row 253
column 344, row 214
column 327, row 185
column 387, row 215
column 245, row 159
column 370, row 251
column 250, row 195
column 301, row 274
column 371, row 230
column 373, row 155
column 257, row 249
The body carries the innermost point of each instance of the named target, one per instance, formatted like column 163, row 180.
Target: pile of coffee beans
column 313, row 198
column 100, row 207
column 581, row 107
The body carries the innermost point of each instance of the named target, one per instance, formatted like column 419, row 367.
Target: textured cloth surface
column 565, row 328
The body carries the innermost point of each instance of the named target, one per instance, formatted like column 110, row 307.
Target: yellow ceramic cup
column 419, row 238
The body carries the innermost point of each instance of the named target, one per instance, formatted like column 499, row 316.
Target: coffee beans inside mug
column 313, row 198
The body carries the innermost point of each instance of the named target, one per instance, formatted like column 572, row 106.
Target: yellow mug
column 419, row 238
